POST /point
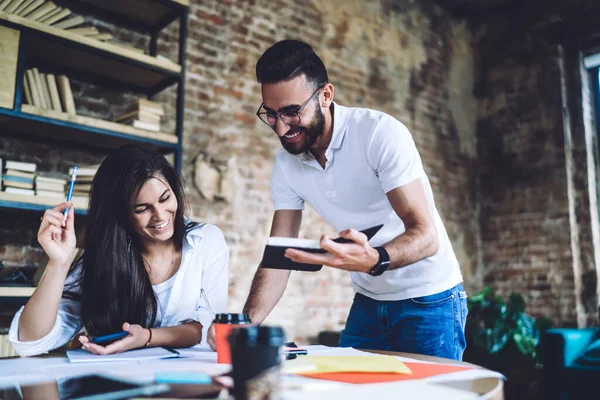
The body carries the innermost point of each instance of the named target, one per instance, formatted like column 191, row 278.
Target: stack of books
column 50, row 185
column 83, row 182
column 48, row 91
column 145, row 114
column 45, row 12
column 19, row 177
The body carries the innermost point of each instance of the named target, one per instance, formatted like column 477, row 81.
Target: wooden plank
column 106, row 46
column 101, row 124
column 9, row 53
column 16, row 291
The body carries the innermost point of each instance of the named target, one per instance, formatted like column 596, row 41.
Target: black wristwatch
column 383, row 263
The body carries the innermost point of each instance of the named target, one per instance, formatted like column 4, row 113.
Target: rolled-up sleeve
column 67, row 324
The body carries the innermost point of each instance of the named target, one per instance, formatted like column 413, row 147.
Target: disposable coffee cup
column 256, row 361
column 224, row 323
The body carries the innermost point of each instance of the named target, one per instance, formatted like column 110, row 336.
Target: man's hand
column 210, row 337
column 358, row 256
column 138, row 337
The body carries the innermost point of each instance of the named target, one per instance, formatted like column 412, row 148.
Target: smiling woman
column 142, row 268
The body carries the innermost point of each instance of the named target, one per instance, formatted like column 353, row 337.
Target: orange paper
column 419, row 371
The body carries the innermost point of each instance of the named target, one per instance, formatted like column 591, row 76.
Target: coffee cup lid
column 255, row 335
column 231, row 318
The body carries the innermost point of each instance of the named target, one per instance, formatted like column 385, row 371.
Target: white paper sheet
column 149, row 353
column 413, row 390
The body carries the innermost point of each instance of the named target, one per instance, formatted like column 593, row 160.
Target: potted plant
column 502, row 337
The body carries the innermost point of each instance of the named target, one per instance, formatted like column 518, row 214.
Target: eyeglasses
column 288, row 117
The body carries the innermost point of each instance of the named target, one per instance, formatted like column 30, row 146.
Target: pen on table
column 210, row 310
column 70, row 192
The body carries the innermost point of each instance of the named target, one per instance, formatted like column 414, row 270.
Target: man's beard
column 311, row 134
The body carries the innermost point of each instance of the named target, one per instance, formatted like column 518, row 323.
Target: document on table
column 149, row 353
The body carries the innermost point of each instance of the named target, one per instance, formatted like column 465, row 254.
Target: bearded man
column 358, row 168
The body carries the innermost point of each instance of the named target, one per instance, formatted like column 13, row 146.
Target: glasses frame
column 278, row 115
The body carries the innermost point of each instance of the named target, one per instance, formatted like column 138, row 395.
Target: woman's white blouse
column 204, row 265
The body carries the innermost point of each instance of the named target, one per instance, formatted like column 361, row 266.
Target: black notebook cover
column 274, row 257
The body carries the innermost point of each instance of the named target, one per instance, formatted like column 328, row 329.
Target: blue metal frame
column 180, row 113
column 88, row 129
column 5, row 204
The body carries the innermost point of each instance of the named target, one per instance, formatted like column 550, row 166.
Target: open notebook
column 150, row 353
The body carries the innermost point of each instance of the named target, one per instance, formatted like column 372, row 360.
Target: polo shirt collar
column 340, row 122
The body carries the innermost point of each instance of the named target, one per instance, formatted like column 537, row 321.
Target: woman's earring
column 128, row 244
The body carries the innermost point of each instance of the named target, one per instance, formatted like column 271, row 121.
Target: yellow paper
column 327, row 364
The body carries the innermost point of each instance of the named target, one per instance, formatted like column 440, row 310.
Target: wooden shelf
column 100, row 123
column 16, row 291
column 37, row 203
column 93, row 58
column 148, row 14
column 55, row 126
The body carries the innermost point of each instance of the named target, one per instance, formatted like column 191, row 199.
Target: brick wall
column 407, row 58
column 525, row 225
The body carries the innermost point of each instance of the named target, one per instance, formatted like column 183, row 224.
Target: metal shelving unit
column 101, row 63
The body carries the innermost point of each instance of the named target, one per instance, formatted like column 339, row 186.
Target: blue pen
column 70, row 192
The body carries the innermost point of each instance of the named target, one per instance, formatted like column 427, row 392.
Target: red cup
column 224, row 323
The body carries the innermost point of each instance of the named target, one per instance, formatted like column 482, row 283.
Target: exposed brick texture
column 516, row 205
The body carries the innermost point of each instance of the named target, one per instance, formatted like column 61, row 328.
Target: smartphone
column 291, row 351
column 107, row 339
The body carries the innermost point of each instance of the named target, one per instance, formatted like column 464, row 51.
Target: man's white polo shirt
column 370, row 154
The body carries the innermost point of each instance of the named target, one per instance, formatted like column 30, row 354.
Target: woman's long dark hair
column 114, row 284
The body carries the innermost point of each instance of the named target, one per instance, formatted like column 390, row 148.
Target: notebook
column 273, row 256
column 150, row 353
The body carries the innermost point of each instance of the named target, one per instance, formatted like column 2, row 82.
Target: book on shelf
column 66, row 96
column 147, row 106
column 85, row 170
column 27, row 91
column 145, row 125
column 40, row 88
column 52, row 186
column 8, row 181
column 13, row 5
column 26, row 192
column 21, row 166
column 49, row 193
column 46, row 90
column 140, row 115
column 4, row 4
column 35, row 96
column 56, row 17
column 23, row 6
column 69, row 23
column 82, row 187
column 50, row 14
column 20, row 179
column 31, row 6
column 20, row 174
column 54, row 97
column 41, row 11
column 54, row 177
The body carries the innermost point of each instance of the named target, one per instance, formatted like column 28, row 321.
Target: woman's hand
column 138, row 337
column 56, row 237
column 210, row 337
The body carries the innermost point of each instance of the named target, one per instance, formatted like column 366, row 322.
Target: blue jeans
column 433, row 325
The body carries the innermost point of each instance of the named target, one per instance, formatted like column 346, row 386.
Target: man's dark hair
column 287, row 59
